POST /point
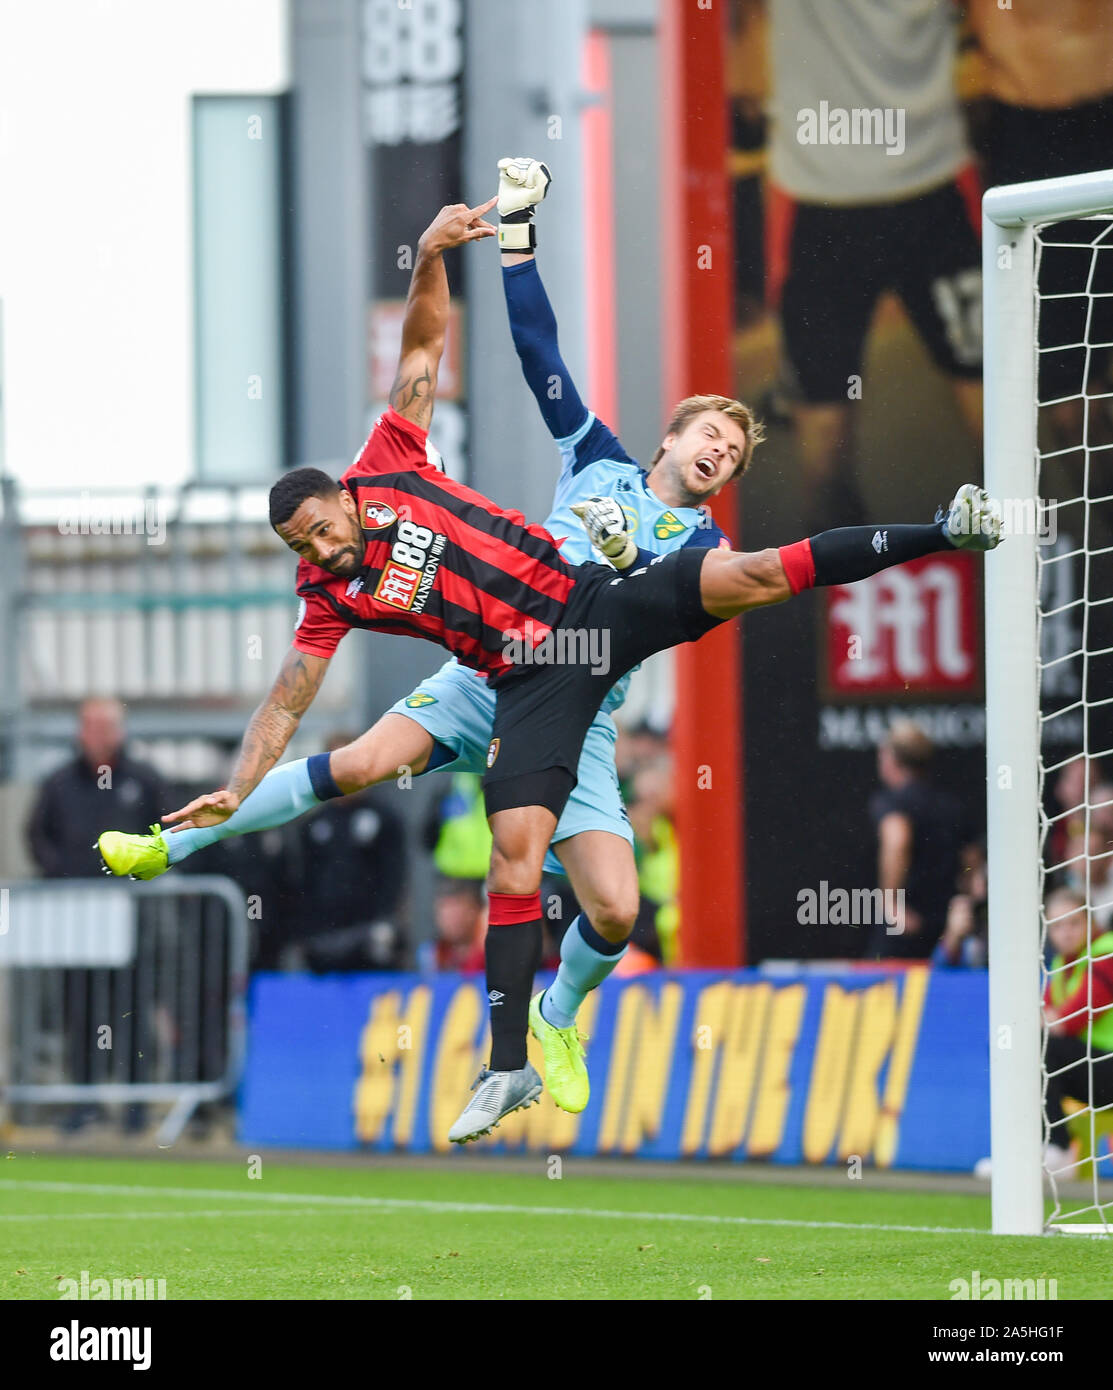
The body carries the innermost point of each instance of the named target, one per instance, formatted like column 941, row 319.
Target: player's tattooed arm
column 273, row 723
column 270, row 730
column 415, row 387
column 427, row 304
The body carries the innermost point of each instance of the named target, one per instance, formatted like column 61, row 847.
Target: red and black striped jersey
column 441, row 562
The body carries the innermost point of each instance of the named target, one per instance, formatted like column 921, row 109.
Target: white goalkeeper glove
column 522, row 185
column 605, row 523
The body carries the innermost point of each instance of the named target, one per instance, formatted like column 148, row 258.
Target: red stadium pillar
column 697, row 278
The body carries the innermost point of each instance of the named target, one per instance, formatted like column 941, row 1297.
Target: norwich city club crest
column 419, row 699
column 668, row 525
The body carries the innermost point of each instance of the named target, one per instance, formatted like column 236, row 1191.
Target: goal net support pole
column 1009, row 216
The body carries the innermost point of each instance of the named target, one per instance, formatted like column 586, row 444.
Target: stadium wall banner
column 411, row 77
column 789, row 1067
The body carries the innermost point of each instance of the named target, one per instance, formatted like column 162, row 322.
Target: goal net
column 1048, row 301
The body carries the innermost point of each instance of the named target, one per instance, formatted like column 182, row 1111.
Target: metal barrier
column 123, row 992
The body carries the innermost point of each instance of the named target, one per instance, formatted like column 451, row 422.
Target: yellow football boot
column 134, row 856
column 565, row 1070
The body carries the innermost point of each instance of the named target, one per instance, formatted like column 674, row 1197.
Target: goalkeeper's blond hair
column 741, row 414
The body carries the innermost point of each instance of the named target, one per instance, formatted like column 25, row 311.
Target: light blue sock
column 284, row 793
column 582, row 967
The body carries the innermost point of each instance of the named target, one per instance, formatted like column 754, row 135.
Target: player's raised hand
column 212, row 809
column 456, row 224
column 606, row 525
column 523, row 182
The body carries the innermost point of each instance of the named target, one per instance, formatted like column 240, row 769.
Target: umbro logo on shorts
column 496, row 996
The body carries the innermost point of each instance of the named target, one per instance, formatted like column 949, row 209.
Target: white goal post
column 1011, row 218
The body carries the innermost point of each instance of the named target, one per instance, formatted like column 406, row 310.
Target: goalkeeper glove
column 606, row 526
column 522, row 185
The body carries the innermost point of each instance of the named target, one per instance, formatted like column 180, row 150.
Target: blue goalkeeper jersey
column 594, row 463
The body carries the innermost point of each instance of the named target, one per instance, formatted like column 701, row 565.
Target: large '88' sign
column 419, row 41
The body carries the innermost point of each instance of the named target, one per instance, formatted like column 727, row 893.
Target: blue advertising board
column 889, row 1067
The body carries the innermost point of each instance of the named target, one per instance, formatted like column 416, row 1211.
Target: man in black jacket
column 67, row 818
column 72, row 804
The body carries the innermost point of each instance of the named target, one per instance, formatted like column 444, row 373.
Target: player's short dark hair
column 294, row 487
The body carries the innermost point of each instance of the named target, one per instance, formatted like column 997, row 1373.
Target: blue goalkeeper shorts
column 457, row 708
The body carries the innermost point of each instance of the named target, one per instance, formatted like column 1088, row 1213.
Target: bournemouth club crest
column 377, row 516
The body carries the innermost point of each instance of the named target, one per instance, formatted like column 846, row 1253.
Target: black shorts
column 1024, row 143
column 838, row 261
column 542, row 715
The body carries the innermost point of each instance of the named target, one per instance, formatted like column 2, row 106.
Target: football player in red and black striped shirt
column 398, row 547
column 424, row 555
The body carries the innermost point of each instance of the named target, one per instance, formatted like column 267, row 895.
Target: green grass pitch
column 212, row 1232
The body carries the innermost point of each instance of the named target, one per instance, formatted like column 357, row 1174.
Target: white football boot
column 497, row 1093
column 974, row 520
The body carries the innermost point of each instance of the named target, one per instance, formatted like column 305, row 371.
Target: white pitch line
column 483, row 1208
column 151, row 1215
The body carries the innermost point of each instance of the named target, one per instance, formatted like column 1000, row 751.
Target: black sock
column 851, row 553
column 513, row 952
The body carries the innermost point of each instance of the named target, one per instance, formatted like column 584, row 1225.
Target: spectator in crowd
column 1082, row 797
column 919, row 840
column 895, row 198
column 456, row 830
column 102, row 785
column 655, row 848
column 352, row 872
column 1078, row 1010
column 964, row 943
column 1085, row 869
column 460, row 920
column 637, row 747
column 1068, row 797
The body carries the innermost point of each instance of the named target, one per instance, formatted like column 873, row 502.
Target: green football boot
column 565, row 1070
column 134, row 856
